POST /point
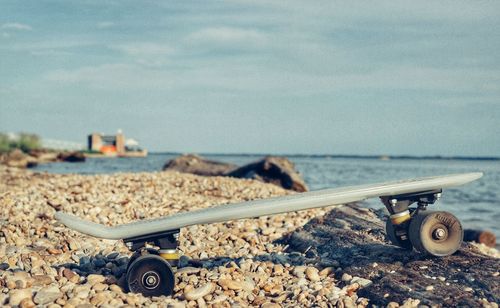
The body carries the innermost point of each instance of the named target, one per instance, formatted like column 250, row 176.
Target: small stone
column 115, row 288
column 299, row 271
column 4, row 266
column 468, row 289
column 194, row 294
column 429, row 288
column 70, row 275
column 19, row 280
column 234, row 284
column 99, row 299
column 363, row 283
column 47, row 295
column 81, row 291
column 188, row 270
column 183, row 261
column 326, row 271
column 100, row 287
column 312, row 274
column 54, row 251
column 16, row 296
column 27, row 303
column 113, row 255
column 346, row 277
column 73, row 245
column 42, row 280
column 93, row 279
column 99, row 262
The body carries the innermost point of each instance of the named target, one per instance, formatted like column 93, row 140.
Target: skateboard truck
column 149, row 271
column 435, row 233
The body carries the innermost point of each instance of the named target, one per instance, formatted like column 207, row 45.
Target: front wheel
column 436, row 233
column 150, row 275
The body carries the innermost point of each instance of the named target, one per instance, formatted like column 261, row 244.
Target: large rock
column 195, row 164
column 19, row 159
column 71, row 157
column 276, row 170
column 353, row 240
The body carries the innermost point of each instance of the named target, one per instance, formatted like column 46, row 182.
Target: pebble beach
column 225, row 264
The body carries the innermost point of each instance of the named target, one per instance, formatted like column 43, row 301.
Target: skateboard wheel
column 150, row 275
column 436, row 233
column 142, row 252
column 397, row 237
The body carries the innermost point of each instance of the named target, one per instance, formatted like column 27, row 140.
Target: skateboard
column 410, row 225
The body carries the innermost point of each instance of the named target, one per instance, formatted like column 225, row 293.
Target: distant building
column 114, row 145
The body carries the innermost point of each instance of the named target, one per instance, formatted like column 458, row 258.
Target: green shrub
column 4, row 143
column 25, row 142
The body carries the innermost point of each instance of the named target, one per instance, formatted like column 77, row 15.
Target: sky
column 321, row 77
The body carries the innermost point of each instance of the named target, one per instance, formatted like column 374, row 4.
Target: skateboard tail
column 85, row 226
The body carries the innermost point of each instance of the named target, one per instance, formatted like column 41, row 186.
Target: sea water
column 477, row 204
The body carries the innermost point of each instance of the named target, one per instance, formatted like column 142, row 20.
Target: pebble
column 234, row 284
column 429, row 288
column 299, row 271
column 93, row 279
column 346, row 277
column 468, row 289
column 47, row 295
column 312, row 274
column 363, row 283
column 199, row 292
column 70, row 275
column 42, row 280
column 16, row 296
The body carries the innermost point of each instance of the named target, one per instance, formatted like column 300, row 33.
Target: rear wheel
column 397, row 235
column 436, row 233
column 150, row 275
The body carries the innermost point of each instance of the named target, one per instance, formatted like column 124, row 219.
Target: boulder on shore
column 18, row 159
column 271, row 169
column 71, row 157
column 198, row 165
column 276, row 170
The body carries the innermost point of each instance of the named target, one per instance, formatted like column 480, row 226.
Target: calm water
column 476, row 204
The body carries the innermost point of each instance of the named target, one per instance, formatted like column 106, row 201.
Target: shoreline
column 239, row 262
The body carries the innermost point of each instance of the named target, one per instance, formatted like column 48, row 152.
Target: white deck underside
column 297, row 202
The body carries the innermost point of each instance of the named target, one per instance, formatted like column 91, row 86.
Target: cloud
column 227, row 37
column 16, row 26
column 105, row 24
column 144, row 49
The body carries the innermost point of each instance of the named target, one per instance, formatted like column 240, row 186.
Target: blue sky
column 407, row 77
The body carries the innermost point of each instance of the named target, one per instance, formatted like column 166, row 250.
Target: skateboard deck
column 263, row 207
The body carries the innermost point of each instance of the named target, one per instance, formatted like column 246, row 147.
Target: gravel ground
column 237, row 263
column 233, row 263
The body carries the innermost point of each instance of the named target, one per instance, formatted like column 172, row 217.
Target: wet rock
column 195, row 164
column 276, row 170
